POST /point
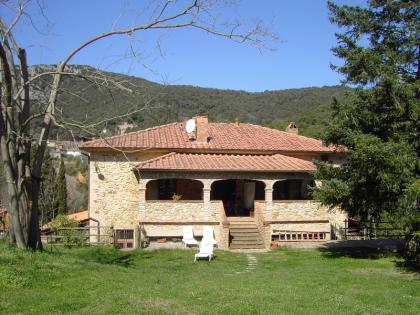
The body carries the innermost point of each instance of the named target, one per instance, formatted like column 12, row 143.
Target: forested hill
column 102, row 95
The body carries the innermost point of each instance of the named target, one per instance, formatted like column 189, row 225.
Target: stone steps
column 243, row 231
column 246, row 237
column 244, row 234
column 244, row 246
column 249, row 242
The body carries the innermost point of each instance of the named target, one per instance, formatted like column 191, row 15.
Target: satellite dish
column 190, row 125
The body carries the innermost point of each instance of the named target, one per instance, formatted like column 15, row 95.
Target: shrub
column 412, row 249
column 66, row 229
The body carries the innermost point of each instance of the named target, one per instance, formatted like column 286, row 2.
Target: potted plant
column 176, row 197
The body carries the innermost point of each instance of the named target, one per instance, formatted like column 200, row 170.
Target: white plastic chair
column 188, row 236
column 208, row 235
column 206, row 251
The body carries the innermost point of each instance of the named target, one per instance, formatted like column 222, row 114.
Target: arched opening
column 292, row 189
column 237, row 195
column 174, row 189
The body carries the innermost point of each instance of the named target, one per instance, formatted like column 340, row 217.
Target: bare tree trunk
column 23, row 185
column 6, row 143
column 23, row 146
column 34, row 236
column 24, row 149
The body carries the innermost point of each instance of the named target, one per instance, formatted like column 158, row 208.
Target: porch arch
column 174, row 189
column 292, row 189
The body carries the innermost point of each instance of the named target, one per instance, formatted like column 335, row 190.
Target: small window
column 124, row 239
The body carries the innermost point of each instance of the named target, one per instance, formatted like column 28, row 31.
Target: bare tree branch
column 15, row 96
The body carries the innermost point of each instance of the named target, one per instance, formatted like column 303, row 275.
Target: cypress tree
column 47, row 200
column 61, row 189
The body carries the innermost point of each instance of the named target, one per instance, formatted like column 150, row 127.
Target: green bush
column 412, row 249
column 65, row 228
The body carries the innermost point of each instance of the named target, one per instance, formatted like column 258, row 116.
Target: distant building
column 58, row 148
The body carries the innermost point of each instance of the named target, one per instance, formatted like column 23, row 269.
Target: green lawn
column 107, row 281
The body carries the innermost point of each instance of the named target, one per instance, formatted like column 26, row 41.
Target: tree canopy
column 378, row 122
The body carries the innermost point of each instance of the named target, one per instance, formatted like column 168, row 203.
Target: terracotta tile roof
column 222, row 136
column 79, row 216
column 226, row 162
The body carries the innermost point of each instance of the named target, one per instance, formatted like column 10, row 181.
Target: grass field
column 107, row 281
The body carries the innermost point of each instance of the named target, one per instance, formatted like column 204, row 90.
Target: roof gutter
column 219, row 170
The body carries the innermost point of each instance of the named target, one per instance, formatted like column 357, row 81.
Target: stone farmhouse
column 250, row 183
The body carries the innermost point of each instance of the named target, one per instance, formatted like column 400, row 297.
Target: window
column 124, row 239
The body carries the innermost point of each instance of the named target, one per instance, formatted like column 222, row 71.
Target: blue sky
column 302, row 56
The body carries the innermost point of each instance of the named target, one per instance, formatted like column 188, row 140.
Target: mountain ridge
column 94, row 95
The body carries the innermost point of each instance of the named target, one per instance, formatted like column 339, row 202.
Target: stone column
column 206, row 198
column 142, row 204
column 268, row 199
column 142, row 200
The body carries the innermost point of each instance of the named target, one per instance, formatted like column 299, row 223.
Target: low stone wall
column 180, row 211
column 299, row 210
column 263, row 227
column 302, row 215
column 175, row 229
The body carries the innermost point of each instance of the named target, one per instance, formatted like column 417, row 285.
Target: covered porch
column 236, row 193
column 170, row 197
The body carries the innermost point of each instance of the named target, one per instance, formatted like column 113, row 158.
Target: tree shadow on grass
column 363, row 249
column 373, row 250
column 408, row 267
column 359, row 252
column 108, row 256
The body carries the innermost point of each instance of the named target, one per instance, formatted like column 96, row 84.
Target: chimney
column 202, row 125
column 292, row 128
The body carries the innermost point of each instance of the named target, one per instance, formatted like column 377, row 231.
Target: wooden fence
column 364, row 230
column 78, row 236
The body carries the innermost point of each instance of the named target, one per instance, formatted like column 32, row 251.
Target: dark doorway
column 238, row 195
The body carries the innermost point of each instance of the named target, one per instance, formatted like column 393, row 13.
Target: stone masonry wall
column 113, row 191
column 166, row 219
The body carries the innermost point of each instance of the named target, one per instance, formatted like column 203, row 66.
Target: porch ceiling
column 227, row 163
